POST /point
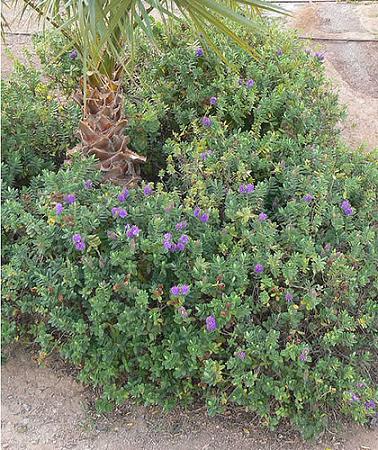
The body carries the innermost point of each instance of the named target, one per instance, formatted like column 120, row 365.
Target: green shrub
column 173, row 88
column 278, row 307
column 36, row 128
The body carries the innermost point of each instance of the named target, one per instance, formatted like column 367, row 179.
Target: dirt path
column 43, row 408
column 352, row 66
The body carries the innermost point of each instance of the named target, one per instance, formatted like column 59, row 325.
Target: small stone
column 21, row 429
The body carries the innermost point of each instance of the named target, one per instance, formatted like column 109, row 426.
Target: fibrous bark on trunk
column 102, row 134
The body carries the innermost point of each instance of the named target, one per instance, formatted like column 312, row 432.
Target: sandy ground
column 44, row 408
column 352, row 66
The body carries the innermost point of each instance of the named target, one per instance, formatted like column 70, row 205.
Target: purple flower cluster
column 308, row 198
column 206, row 122
column 262, row 217
column 181, row 225
column 88, row 184
column 304, row 354
column 211, row 323
column 213, row 101
column 279, row 52
column 119, row 212
column 289, row 297
column 73, row 55
column 199, row 52
column 78, row 241
column 249, row 83
column 259, row 268
column 241, row 355
column 203, row 217
column 206, row 154
column 123, row 195
column 184, row 289
column 319, row 56
column 69, row 198
column 175, row 247
column 59, row 209
column 370, row 404
column 354, row 397
column 246, row 188
column 132, row 231
column 147, row 191
column 347, row 208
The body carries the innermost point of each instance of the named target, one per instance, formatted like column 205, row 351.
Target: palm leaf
column 104, row 31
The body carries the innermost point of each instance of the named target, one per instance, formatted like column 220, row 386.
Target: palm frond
column 104, row 31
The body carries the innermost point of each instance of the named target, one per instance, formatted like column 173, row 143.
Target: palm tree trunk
column 102, row 133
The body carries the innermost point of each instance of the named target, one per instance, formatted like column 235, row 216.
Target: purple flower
column 347, row 208
column 355, row 398
column 199, row 52
column 204, row 218
column 148, row 190
column 175, row 290
column 289, row 297
column 360, row 385
column 181, row 225
column 259, row 268
column 180, row 247
column 69, row 198
column 308, row 198
column 205, row 155
column 279, row 52
column 167, row 236
column 88, row 184
column 319, row 56
column 184, row 239
column 76, row 238
column 185, row 289
column 246, row 189
column 183, row 312
column 327, row 247
column 119, row 212
column 197, row 211
column 262, row 217
column 73, row 55
column 211, row 323
column 132, row 231
column 122, row 213
column 78, row 241
column 123, row 195
column 58, row 209
column 370, row 404
column 206, row 121
column 303, row 355
column 213, row 101
column 241, row 355
column 241, row 81
column 250, row 84
column 167, row 245
column 80, row 246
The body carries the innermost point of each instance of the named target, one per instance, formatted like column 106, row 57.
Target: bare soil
column 44, row 408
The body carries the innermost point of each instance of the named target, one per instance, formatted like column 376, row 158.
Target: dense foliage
column 36, row 128
column 247, row 276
